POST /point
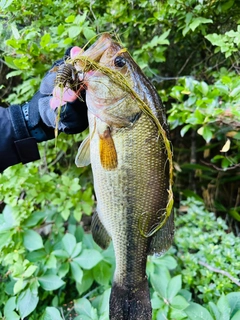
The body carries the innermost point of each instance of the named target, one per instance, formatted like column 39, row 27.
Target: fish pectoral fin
column 108, row 154
column 162, row 239
column 83, row 156
column 99, row 233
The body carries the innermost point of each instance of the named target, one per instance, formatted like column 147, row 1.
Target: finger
column 56, row 103
column 75, row 51
column 48, row 83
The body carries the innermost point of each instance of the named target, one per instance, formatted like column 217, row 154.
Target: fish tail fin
column 130, row 303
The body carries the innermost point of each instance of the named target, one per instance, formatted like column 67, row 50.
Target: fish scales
column 127, row 193
column 130, row 167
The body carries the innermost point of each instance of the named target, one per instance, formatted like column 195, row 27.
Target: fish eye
column 119, row 61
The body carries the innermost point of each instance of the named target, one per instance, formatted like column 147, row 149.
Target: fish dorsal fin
column 108, row 154
column 83, row 156
column 162, row 239
column 99, row 233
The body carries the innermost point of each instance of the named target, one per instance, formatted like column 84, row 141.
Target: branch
column 225, row 273
column 220, row 169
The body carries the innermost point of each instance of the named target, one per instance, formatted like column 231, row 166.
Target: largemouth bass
column 130, row 154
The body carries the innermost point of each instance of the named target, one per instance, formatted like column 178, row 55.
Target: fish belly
column 132, row 197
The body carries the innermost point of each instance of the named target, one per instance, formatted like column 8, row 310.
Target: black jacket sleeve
column 16, row 144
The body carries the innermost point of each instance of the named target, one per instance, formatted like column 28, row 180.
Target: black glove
column 41, row 119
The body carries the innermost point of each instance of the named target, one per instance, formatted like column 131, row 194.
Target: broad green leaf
column 236, row 316
column 87, row 281
column 74, row 31
column 26, row 303
column 185, row 129
column 10, row 305
column 63, row 270
column 51, row 313
column 69, row 243
column 88, row 33
column 5, row 3
column 214, row 310
column 77, row 272
column 235, row 92
column 45, row 40
column 5, row 238
column 234, row 301
column 197, row 312
column 70, row 19
column 179, row 302
column 88, row 258
column 14, row 73
column 32, row 240
column 83, row 307
column 50, row 282
column 30, row 270
column 12, row 315
column 104, row 302
column 160, row 281
column 177, row 314
column 156, row 301
column 174, row 286
column 19, row 285
column 77, row 249
column 102, row 273
column 198, row 21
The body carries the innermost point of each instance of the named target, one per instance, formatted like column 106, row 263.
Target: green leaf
column 12, row 315
column 236, row 316
column 160, row 281
column 76, row 250
column 69, row 243
column 51, row 313
column 19, row 285
column 206, row 133
column 88, row 33
column 223, row 307
column 89, row 258
column 5, row 3
column 26, row 303
column 234, row 301
column 166, row 261
column 83, row 307
column 235, row 92
column 185, row 129
column 180, row 303
column 14, row 73
column 50, row 282
column 214, row 310
column 77, row 272
column 87, row 281
column 30, row 270
column 198, row 21
column 32, row 240
column 104, row 302
column 102, row 273
column 74, row 31
column 197, row 312
column 70, row 19
column 174, row 286
column 45, row 39
column 10, row 306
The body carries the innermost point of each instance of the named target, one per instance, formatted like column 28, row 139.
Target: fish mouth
column 96, row 50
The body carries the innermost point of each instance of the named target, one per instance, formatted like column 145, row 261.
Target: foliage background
column 190, row 51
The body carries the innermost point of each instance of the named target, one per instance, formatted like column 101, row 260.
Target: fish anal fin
column 108, row 154
column 162, row 239
column 83, row 156
column 99, row 233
